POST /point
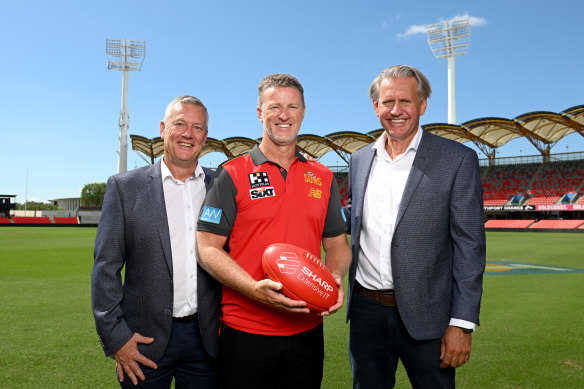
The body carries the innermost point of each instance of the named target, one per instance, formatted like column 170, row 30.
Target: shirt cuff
column 462, row 323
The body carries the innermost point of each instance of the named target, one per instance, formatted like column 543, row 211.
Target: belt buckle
column 388, row 299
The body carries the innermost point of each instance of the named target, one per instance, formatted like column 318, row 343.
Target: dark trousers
column 270, row 362
column 185, row 360
column 378, row 339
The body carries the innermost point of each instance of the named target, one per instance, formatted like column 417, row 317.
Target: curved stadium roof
column 542, row 129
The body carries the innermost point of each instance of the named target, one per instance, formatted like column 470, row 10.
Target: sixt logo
column 262, row 192
column 211, row 215
column 311, row 178
column 317, row 279
column 288, row 263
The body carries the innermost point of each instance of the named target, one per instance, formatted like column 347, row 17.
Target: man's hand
column 455, row 348
column 340, row 299
column 269, row 292
column 128, row 356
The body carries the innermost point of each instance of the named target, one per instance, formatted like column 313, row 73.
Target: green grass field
column 532, row 332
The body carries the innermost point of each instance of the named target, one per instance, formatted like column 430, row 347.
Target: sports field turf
column 532, row 332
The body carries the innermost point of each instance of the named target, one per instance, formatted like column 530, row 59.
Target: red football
column 302, row 274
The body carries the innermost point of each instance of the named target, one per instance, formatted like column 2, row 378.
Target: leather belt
column 185, row 319
column 385, row 297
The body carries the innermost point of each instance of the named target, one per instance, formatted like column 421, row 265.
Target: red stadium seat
column 500, row 223
column 31, row 220
column 66, row 220
column 558, row 224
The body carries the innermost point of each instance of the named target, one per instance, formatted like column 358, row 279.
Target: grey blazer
column 438, row 247
column 133, row 232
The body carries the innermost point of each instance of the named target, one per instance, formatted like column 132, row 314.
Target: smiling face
column 399, row 108
column 184, row 134
column 281, row 112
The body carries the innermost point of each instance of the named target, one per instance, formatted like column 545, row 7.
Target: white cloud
column 475, row 21
column 413, row 30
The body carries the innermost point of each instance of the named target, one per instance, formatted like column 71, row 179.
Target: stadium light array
column 124, row 55
column 449, row 39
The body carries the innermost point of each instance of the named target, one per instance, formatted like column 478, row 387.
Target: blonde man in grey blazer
column 418, row 244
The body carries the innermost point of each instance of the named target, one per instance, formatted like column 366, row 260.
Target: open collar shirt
column 183, row 202
column 385, row 187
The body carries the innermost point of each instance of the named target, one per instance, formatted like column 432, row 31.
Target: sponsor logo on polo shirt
column 261, row 193
column 211, row 215
column 258, row 180
column 316, row 193
column 311, row 178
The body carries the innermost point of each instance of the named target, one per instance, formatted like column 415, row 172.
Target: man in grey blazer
column 418, row 244
column 162, row 320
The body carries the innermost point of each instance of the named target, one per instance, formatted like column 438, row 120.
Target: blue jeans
column 185, row 360
column 378, row 339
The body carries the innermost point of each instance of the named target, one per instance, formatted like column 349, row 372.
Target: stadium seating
column 558, row 178
column 66, row 220
column 5, row 220
column 558, row 224
column 343, row 183
column 543, row 200
column 501, row 223
column 500, row 182
column 31, row 220
column 495, row 201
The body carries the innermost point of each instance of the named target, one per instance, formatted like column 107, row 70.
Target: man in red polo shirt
column 271, row 195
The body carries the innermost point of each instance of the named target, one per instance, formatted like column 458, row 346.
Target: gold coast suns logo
column 311, row 178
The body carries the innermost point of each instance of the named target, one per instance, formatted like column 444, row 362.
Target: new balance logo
column 316, row 193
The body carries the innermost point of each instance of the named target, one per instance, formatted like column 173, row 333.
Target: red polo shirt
column 255, row 202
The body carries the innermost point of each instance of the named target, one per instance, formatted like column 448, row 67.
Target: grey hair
column 279, row 80
column 186, row 99
column 401, row 71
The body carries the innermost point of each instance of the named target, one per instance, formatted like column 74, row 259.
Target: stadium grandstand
column 543, row 192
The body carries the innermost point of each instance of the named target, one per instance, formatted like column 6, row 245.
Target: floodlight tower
column 125, row 55
column 449, row 39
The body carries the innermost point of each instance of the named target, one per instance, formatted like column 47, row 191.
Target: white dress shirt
column 385, row 187
column 183, row 201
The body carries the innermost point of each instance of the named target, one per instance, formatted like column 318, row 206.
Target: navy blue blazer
column 438, row 248
column 133, row 233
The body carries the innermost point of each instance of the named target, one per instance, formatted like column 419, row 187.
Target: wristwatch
column 466, row 330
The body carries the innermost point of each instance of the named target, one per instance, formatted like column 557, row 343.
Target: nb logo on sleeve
column 211, row 215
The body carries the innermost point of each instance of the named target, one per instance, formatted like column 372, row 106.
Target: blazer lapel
column 159, row 210
column 361, row 180
column 416, row 173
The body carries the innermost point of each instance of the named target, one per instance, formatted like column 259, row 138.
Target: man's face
column 399, row 108
column 281, row 113
column 184, row 135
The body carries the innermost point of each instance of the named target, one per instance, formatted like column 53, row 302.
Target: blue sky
column 60, row 105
